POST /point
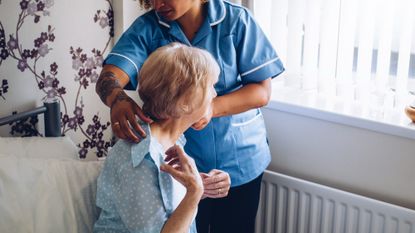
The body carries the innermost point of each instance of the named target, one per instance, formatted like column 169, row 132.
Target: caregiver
column 234, row 140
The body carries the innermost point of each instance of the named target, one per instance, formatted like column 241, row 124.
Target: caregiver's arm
column 250, row 96
column 183, row 169
column 123, row 109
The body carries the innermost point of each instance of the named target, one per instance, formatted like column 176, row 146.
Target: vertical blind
column 353, row 49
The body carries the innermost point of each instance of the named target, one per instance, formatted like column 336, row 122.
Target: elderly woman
column 153, row 186
column 235, row 140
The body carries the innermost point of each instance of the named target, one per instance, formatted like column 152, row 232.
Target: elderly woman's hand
column 216, row 183
column 183, row 169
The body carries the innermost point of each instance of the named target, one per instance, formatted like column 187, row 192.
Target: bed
column 44, row 186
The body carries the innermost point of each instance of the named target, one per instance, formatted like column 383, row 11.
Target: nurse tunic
column 237, row 143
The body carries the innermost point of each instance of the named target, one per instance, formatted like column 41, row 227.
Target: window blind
column 358, row 50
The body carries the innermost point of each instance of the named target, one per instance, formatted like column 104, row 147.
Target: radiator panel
column 291, row 205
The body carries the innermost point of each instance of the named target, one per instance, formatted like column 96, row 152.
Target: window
column 355, row 50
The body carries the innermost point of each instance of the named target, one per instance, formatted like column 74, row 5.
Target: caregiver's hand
column 183, row 169
column 216, row 183
column 124, row 110
column 123, row 117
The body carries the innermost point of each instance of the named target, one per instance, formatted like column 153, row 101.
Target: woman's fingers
column 125, row 128
column 116, row 129
column 169, row 157
column 141, row 115
column 177, row 151
column 178, row 159
column 183, row 169
column 170, row 154
column 216, row 183
column 134, row 124
column 218, row 177
column 175, row 161
column 120, row 124
column 172, row 151
column 215, row 172
column 204, row 175
column 215, row 194
column 171, row 170
column 123, row 117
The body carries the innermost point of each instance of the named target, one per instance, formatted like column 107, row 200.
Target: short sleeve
column 257, row 59
column 131, row 50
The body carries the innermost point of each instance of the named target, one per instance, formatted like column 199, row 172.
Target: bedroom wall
column 350, row 158
column 55, row 48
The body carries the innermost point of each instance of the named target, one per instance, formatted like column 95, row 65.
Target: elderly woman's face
column 173, row 9
column 205, row 109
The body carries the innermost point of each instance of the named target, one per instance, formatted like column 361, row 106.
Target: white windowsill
column 390, row 121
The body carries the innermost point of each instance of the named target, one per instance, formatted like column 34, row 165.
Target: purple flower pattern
column 86, row 66
column 4, row 88
column 95, row 132
column 25, row 127
column 105, row 19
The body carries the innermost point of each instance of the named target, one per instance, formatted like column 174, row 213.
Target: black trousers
column 234, row 213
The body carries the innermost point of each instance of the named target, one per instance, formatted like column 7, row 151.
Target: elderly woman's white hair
column 174, row 79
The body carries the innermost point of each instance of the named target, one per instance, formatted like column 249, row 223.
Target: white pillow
column 47, row 193
column 61, row 147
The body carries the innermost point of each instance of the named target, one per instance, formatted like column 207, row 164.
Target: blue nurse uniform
column 236, row 144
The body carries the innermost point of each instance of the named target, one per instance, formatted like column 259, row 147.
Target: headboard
column 52, row 118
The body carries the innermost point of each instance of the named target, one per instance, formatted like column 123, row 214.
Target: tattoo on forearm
column 122, row 96
column 107, row 82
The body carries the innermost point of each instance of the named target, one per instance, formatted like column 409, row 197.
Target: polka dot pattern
column 133, row 194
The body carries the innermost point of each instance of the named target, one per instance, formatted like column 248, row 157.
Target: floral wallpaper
column 55, row 49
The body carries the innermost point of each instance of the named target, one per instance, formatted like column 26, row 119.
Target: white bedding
column 31, row 147
column 46, row 189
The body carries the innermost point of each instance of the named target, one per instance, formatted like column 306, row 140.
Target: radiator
column 291, row 205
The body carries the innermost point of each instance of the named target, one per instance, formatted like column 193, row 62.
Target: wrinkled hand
column 216, row 183
column 123, row 118
column 183, row 169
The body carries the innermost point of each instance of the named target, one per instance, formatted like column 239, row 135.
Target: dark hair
column 146, row 4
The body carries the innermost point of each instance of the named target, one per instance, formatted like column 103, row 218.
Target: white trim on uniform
column 123, row 56
column 247, row 122
column 260, row 66
column 223, row 17
column 164, row 24
column 161, row 22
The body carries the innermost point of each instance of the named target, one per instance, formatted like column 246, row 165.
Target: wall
column 358, row 160
column 126, row 11
column 55, row 49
